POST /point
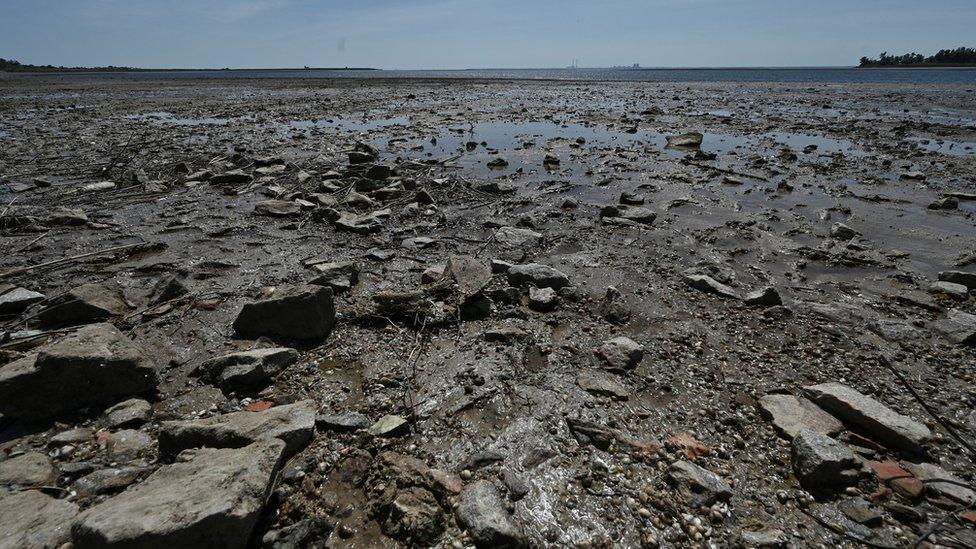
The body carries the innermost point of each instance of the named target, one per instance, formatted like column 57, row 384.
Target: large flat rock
column 869, row 416
column 294, row 424
column 791, row 414
column 303, row 312
column 213, row 499
column 95, row 365
column 30, row 520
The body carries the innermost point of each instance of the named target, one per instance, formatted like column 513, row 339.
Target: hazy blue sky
column 411, row 34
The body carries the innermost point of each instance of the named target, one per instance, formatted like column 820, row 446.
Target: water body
column 839, row 75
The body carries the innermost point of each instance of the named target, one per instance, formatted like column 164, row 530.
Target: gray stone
column 32, row 520
column 482, row 514
column 870, row 416
column 129, row 413
column 965, row 278
column 389, row 426
column 341, row 276
column 248, row 370
column 27, row 470
column 603, row 384
column 791, row 414
column 277, row 208
column 362, row 224
column 107, row 481
column 840, row 231
column 698, row 486
column 82, row 305
column 347, row 421
column 958, row 327
column 542, row 300
column 212, row 498
column 166, row 288
column 770, row 537
column 709, row 285
column 821, row 462
column 542, row 276
column 765, row 297
column 469, row 273
column 128, row 444
column 76, row 436
column 958, row 489
column 18, row 299
column 950, row 289
column 861, row 511
column 517, row 237
column 620, row 353
column 95, row 365
column 292, row 423
column 302, row 312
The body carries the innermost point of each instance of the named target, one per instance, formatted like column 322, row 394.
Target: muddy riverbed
column 463, row 395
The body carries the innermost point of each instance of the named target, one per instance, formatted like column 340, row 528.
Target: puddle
column 943, row 146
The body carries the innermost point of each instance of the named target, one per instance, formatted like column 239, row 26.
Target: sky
column 457, row 34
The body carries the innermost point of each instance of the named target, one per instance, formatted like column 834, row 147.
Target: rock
column 770, row 537
column 248, row 370
column 697, row 486
column 233, row 177
column 620, row 354
column 945, row 203
column 518, row 237
column 542, row 300
column 30, row 520
column 414, row 516
column 81, row 305
column 432, row 274
column 348, row 421
column 839, row 231
column 389, row 426
column 967, row 279
column 955, row 291
column 407, row 498
column 603, row 384
column 302, row 312
column 67, row 217
column 497, row 163
column 482, row 514
column 15, row 301
column 166, row 288
column 341, row 276
column 861, row 511
column 212, row 498
column 870, row 416
column 632, row 198
column 958, row 327
column 791, row 414
column 821, row 462
column 301, row 534
column 27, row 471
column 709, row 285
column 129, row 413
column 277, row 208
column 898, row 479
column 127, row 444
column 95, row 365
column 956, row 489
column 294, row 424
column 362, row 224
column 542, row 276
column 76, row 436
column 106, row 481
column 636, row 214
column 690, row 139
column 765, row 297
column 98, row 187
column 469, row 273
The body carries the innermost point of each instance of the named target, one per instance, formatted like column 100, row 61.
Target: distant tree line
column 958, row 56
column 10, row 65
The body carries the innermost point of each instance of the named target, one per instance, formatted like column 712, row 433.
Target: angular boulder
column 94, row 365
column 821, row 462
column 696, row 485
column 82, row 305
column 869, row 416
column 542, row 276
column 31, row 520
column 245, row 370
column 212, row 499
column 958, row 327
column 791, row 414
column 294, row 424
column 27, row 471
column 620, row 353
column 303, row 312
column 482, row 514
column 18, row 299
